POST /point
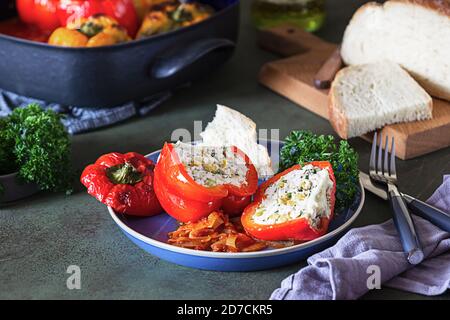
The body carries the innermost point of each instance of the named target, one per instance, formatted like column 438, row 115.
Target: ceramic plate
column 151, row 235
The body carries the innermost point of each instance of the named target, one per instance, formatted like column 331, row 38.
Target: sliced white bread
column 412, row 33
column 230, row 127
column 366, row 97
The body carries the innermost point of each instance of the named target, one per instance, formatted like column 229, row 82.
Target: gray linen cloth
column 80, row 119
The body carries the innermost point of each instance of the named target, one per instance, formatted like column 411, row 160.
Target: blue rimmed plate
column 151, row 235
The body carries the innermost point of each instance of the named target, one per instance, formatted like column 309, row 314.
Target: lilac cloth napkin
column 342, row 271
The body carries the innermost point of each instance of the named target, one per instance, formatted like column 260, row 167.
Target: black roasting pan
column 109, row 76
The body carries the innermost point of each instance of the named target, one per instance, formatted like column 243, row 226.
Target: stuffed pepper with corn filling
column 193, row 181
column 296, row 204
column 97, row 30
column 171, row 15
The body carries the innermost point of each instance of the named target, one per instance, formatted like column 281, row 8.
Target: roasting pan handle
column 166, row 67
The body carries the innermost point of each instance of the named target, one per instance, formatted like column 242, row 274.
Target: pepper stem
column 123, row 173
column 180, row 15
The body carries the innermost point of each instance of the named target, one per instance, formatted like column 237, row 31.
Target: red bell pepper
column 124, row 182
column 188, row 201
column 72, row 11
column 234, row 205
column 296, row 229
column 41, row 13
column 51, row 14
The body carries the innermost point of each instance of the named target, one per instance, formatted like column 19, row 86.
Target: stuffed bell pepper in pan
column 172, row 15
column 97, row 30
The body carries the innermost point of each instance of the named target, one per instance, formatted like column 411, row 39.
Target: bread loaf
column 412, row 33
column 231, row 128
column 366, row 97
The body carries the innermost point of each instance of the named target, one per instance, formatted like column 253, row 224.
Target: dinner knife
column 436, row 216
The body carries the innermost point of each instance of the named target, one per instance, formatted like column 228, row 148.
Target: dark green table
column 42, row 236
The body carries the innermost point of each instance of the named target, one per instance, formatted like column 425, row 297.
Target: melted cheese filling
column 303, row 193
column 211, row 166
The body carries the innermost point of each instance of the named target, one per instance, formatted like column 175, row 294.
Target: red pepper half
column 124, row 182
column 186, row 200
column 296, row 229
column 72, row 11
column 41, row 13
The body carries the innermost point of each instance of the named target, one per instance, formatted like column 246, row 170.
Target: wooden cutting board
column 293, row 78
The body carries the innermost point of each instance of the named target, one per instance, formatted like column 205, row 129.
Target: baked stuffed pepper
column 95, row 31
column 193, row 181
column 171, row 15
column 296, row 204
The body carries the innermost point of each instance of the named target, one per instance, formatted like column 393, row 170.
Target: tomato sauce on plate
column 16, row 28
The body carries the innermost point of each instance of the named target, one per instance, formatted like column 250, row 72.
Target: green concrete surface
column 41, row 236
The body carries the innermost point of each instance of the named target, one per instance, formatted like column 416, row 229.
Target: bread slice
column 412, row 33
column 230, row 127
column 366, row 97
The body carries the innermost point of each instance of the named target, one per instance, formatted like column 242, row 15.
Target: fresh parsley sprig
column 34, row 142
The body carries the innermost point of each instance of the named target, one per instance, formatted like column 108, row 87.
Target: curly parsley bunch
column 34, row 142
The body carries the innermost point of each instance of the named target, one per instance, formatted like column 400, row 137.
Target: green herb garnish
column 304, row 146
column 7, row 159
column 35, row 143
column 90, row 28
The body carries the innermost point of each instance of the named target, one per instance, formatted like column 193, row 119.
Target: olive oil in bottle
column 306, row 14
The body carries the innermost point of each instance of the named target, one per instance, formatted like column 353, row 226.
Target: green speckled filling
column 306, row 14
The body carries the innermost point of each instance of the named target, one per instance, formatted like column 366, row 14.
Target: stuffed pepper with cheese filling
column 296, row 204
column 193, row 181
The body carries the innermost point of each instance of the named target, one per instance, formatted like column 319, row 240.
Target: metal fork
column 385, row 172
